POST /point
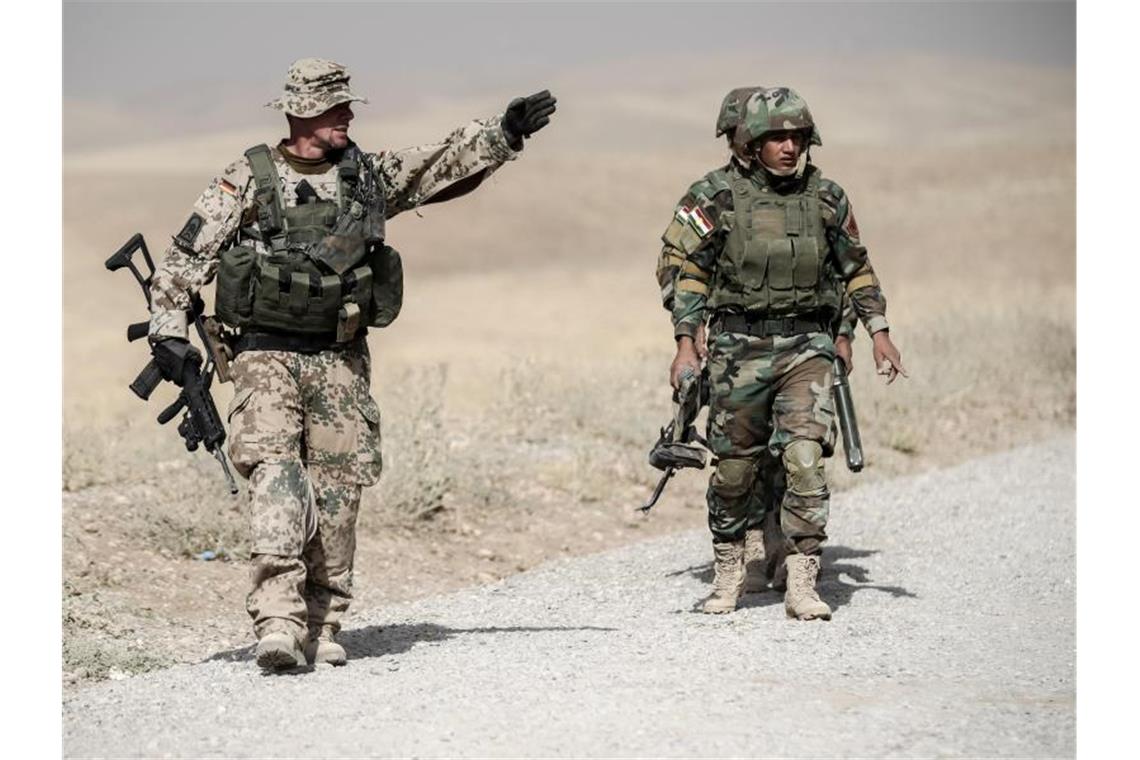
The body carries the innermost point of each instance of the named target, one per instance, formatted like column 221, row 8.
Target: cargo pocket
column 243, row 450
column 369, row 462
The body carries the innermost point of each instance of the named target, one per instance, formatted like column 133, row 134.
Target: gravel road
column 953, row 634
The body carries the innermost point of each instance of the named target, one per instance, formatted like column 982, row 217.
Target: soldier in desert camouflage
column 295, row 235
column 767, row 251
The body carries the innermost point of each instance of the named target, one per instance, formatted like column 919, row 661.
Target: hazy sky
column 128, row 52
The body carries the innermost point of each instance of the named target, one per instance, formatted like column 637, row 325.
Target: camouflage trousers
column 766, row 393
column 305, row 431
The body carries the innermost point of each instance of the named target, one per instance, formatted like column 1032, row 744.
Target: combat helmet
column 732, row 108
column 768, row 109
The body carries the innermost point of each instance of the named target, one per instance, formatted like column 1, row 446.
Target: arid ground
column 525, row 381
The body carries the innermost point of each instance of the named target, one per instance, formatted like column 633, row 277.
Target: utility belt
column 758, row 326
column 301, row 344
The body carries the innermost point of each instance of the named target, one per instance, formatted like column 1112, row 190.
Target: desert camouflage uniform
column 766, row 392
column 304, row 428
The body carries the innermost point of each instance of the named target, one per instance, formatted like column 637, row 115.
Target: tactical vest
column 326, row 270
column 775, row 257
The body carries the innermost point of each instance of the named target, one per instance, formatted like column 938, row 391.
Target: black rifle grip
column 137, row 330
column 147, row 381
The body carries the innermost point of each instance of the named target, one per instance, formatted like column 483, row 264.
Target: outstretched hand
column 525, row 116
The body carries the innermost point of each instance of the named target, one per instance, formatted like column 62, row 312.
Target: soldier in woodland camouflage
column 767, row 251
column 295, row 235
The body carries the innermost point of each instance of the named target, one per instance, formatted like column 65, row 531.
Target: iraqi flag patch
column 695, row 218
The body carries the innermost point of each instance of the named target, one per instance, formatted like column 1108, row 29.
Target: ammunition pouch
column 775, row 254
column 326, row 271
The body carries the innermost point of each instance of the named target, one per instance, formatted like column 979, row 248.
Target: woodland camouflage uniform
column 771, row 279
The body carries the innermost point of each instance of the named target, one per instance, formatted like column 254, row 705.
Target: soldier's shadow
column 832, row 587
column 387, row 640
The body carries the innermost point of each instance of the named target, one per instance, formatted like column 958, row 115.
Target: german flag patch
column 226, row 187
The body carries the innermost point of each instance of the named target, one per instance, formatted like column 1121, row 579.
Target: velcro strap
column 862, row 281
column 299, row 293
column 348, row 322
column 689, row 285
column 330, row 287
column 793, row 219
column 671, row 259
column 688, row 267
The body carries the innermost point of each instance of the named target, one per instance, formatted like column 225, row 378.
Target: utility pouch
column 344, row 247
column 781, row 274
column 387, row 285
column 234, row 302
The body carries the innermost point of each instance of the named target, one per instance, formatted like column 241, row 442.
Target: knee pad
column 733, row 477
column 803, row 463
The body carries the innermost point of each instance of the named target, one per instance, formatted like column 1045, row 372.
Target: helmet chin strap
column 797, row 170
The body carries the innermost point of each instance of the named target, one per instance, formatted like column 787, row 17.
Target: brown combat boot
column 729, row 582
column 801, row 600
column 278, row 650
column 323, row 649
column 755, row 567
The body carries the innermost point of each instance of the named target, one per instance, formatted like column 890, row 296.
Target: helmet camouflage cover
column 770, row 109
column 732, row 108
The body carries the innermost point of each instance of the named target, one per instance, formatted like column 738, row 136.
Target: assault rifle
column 201, row 424
column 675, row 449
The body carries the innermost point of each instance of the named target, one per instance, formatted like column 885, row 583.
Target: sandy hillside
column 525, row 379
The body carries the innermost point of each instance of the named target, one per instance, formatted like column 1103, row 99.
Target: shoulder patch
column 696, row 219
column 185, row 238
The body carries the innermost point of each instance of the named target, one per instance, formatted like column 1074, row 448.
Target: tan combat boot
column 278, row 650
column 323, row 649
column 801, row 600
column 755, row 569
column 729, row 582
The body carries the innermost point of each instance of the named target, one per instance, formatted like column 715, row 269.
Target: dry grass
column 525, row 381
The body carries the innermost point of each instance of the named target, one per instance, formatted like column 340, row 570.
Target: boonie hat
column 313, row 86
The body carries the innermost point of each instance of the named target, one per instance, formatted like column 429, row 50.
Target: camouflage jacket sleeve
column 471, row 152
column 847, row 319
column 851, row 260
column 192, row 258
column 692, row 242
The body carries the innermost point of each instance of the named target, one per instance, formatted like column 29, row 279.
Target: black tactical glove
column 173, row 357
column 525, row 116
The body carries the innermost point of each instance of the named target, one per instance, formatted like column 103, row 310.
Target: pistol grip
column 147, row 380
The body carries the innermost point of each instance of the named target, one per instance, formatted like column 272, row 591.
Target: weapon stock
column 201, row 424
column 675, row 449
